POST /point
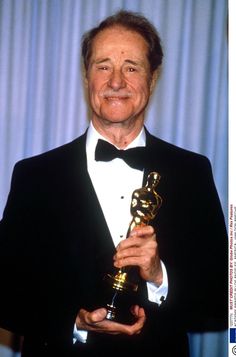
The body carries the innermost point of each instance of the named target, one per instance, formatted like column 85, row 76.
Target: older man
column 65, row 222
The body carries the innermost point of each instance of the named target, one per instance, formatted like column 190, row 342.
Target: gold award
column 145, row 203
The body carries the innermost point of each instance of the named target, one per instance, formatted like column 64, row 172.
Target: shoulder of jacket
column 173, row 152
column 53, row 156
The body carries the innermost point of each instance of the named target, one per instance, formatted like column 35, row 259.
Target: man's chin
column 115, row 116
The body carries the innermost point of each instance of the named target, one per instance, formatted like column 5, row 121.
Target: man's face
column 118, row 78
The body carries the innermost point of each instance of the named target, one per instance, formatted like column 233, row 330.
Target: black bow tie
column 134, row 157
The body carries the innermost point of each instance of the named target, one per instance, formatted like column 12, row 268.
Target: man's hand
column 141, row 249
column 96, row 321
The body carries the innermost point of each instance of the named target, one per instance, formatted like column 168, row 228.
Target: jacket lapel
column 86, row 206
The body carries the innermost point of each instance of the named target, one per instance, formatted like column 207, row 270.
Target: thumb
column 98, row 315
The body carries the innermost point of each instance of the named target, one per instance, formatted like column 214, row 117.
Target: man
column 65, row 222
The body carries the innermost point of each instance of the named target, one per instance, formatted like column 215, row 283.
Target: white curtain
column 42, row 102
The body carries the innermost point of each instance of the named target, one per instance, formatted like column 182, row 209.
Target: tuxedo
column 55, row 248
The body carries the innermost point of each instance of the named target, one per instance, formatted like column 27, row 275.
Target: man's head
column 130, row 21
column 121, row 58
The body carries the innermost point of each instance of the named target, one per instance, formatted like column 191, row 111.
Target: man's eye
column 103, row 68
column 131, row 69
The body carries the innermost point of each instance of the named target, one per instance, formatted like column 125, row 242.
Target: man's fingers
column 142, row 231
column 136, row 238
column 96, row 316
column 96, row 321
column 133, row 251
column 138, row 311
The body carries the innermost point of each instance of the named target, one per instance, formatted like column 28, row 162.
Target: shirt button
column 122, row 197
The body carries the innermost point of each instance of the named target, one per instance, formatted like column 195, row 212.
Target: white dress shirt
column 114, row 183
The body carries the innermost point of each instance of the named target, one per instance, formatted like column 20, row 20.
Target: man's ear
column 85, row 78
column 154, row 78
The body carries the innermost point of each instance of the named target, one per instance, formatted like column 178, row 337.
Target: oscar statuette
column 122, row 286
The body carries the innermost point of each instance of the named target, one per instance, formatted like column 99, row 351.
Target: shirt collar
column 93, row 135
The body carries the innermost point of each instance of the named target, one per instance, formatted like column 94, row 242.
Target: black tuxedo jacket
column 55, row 249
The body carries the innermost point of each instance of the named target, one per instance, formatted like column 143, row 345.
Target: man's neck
column 119, row 134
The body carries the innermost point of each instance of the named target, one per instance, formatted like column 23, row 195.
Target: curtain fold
column 43, row 104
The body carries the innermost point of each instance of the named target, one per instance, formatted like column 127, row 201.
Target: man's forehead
column 107, row 45
column 111, row 34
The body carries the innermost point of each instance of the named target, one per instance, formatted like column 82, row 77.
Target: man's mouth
column 115, row 96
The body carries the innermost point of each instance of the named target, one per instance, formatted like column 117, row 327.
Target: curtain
column 42, row 101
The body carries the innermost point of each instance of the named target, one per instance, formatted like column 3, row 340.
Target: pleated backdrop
column 42, row 102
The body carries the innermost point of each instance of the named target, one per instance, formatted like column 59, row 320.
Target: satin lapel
column 153, row 161
column 85, row 205
column 156, row 161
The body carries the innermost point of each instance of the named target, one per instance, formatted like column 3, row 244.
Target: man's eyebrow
column 135, row 63
column 102, row 60
column 107, row 59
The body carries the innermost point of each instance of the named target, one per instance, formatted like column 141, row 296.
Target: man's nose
column 116, row 80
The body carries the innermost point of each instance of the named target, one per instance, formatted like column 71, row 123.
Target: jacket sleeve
column 192, row 241
column 14, row 253
column 202, row 252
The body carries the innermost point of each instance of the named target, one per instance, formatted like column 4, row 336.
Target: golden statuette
column 145, row 203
